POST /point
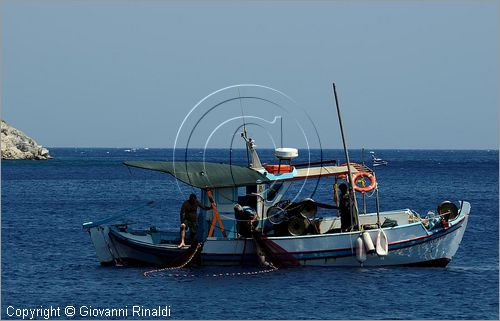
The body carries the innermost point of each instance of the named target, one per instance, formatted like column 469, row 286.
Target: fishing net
column 274, row 253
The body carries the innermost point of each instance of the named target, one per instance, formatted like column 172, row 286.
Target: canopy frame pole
column 378, row 206
column 364, row 194
column 346, row 152
column 216, row 217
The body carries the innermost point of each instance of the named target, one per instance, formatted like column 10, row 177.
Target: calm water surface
column 47, row 259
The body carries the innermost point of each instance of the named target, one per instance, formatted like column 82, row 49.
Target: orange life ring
column 373, row 181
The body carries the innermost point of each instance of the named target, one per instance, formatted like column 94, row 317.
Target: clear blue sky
column 125, row 73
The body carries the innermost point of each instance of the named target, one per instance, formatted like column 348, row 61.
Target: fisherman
column 346, row 219
column 246, row 220
column 189, row 218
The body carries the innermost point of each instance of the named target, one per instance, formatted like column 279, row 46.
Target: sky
column 409, row 75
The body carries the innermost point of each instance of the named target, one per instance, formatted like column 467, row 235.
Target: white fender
column 382, row 244
column 367, row 239
column 360, row 250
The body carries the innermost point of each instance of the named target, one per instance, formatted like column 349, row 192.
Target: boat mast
column 244, row 126
column 255, row 160
column 346, row 152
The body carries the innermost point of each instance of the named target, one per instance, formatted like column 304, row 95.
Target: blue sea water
column 48, row 260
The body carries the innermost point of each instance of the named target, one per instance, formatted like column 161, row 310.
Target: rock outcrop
column 16, row 145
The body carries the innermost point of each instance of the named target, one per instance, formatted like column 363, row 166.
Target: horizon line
column 270, row 148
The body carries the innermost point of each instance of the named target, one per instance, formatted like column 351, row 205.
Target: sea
column 50, row 269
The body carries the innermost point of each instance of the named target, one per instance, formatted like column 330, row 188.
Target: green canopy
column 205, row 175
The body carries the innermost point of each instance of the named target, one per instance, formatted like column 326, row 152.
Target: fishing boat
column 377, row 161
column 284, row 232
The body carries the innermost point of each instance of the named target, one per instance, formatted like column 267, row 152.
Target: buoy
column 367, row 239
column 360, row 250
column 382, row 244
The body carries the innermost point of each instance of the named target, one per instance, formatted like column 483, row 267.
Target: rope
column 244, row 250
column 176, row 267
column 231, row 218
column 271, row 269
column 371, row 194
column 225, row 229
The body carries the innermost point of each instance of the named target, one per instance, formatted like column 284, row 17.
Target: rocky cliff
column 16, row 145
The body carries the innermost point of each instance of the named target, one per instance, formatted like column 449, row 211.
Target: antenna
column 244, row 126
column 281, row 130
